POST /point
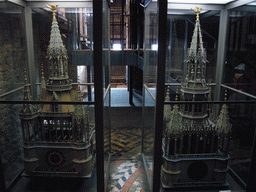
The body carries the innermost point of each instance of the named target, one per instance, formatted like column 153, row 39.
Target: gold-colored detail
column 171, row 172
column 53, row 8
column 197, row 10
column 83, row 160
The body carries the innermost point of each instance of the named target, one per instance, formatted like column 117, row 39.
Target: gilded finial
column 53, row 8
column 197, row 10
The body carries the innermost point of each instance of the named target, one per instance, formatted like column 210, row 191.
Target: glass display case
column 225, row 158
column 50, row 129
column 198, row 102
column 198, row 131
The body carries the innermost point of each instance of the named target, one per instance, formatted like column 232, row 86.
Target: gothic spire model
column 58, row 139
column 58, row 59
column 195, row 149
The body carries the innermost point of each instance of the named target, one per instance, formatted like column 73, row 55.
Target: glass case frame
column 102, row 89
column 218, row 85
column 99, row 85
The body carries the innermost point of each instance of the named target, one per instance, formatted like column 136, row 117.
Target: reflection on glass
column 13, row 61
column 239, row 80
column 241, row 117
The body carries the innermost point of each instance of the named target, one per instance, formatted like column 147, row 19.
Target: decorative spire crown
column 197, row 11
column 196, row 55
column 56, row 52
column 57, row 58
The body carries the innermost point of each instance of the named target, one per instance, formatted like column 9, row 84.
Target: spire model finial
column 197, row 10
column 53, row 8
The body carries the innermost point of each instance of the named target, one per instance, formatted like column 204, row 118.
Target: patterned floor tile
column 124, row 140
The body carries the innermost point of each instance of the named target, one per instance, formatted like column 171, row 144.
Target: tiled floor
column 127, row 172
column 128, row 175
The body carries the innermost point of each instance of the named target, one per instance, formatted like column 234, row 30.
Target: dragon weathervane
column 197, row 10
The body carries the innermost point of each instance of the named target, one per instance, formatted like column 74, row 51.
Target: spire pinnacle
column 57, row 58
column 197, row 10
column 53, row 8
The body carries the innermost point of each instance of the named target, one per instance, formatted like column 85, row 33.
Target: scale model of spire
column 193, row 141
column 196, row 56
column 59, row 140
column 58, row 59
column 194, row 88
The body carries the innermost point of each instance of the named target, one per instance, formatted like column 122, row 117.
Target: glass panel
column 106, row 90
column 13, row 61
column 239, row 80
column 149, row 87
column 241, row 116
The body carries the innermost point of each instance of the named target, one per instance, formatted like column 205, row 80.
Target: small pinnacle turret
column 27, row 108
column 223, row 124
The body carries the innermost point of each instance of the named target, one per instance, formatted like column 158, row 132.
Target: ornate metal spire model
column 192, row 140
column 58, row 139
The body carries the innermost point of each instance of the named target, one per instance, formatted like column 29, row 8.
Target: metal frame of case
column 162, row 9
